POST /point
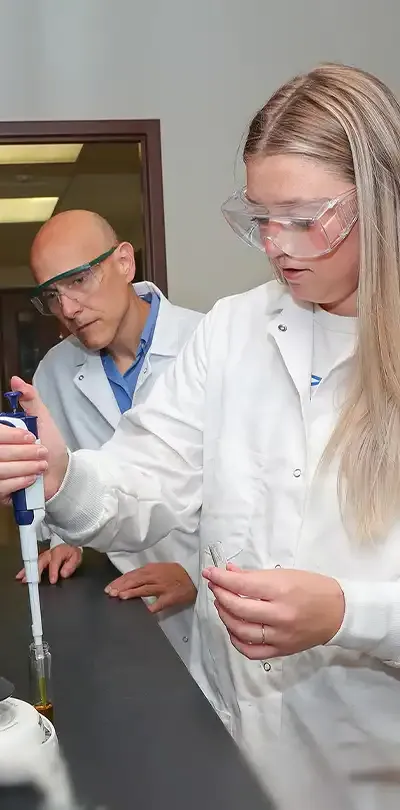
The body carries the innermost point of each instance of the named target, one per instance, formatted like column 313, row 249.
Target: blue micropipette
column 29, row 512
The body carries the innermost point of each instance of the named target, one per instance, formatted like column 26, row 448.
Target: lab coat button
column 81, row 377
column 297, row 473
column 266, row 666
column 282, row 327
column 185, row 639
column 278, row 566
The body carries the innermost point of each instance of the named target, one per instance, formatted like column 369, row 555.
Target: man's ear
column 126, row 259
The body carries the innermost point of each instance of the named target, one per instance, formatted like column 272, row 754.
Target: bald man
column 123, row 335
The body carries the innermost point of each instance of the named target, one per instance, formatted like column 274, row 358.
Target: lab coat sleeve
column 147, row 480
column 371, row 622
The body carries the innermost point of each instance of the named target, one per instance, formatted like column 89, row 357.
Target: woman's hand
column 21, row 460
column 279, row 612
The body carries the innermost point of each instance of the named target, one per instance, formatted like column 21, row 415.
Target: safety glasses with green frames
column 77, row 285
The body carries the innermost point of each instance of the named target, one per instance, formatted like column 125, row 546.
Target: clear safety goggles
column 77, row 285
column 302, row 231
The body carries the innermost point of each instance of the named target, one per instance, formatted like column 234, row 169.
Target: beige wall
column 203, row 68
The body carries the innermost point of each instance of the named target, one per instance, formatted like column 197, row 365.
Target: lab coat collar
column 90, row 377
column 291, row 326
column 91, row 380
column 166, row 334
column 166, row 340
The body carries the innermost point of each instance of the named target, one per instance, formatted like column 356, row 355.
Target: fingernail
column 107, row 590
column 42, row 452
column 29, row 437
column 113, row 592
column 43, row 465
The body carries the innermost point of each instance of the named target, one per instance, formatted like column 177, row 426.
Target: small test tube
column 217, row 556
column 40, row 679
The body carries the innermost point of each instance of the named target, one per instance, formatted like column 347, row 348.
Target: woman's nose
column 271, row 249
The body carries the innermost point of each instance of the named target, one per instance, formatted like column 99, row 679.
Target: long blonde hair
column 350, row 121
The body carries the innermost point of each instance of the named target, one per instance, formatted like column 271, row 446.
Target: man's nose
column 68, row 306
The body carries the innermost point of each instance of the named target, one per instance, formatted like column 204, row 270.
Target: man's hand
column 62, row 561
column 167, row 581
column 21, row 460
column 275, row 613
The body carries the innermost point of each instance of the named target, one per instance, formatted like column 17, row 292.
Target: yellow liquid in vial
column 46, row 709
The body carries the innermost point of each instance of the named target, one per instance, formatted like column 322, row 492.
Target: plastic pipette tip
column 42, row 690
column 40, row 670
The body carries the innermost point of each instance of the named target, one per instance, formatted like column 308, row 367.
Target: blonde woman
column 277, row 432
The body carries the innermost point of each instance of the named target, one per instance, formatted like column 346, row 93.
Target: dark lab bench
column 134, row 727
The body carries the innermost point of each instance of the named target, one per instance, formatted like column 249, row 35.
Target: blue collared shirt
column 123, row 385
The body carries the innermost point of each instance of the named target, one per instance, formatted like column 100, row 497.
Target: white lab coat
column 230, row 440
column 72, row 383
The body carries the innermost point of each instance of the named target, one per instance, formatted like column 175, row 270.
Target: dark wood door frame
column 148, row 134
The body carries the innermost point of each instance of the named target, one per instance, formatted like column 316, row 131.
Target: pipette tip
column 40, row 669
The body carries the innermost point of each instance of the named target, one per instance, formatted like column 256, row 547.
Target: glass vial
column 40, row 680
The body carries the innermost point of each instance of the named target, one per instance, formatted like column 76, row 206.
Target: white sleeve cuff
column 371, row 621
column 75, row 510
column 55, row 541
column 45, row 535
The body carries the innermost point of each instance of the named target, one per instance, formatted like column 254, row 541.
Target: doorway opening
column 110, row 167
